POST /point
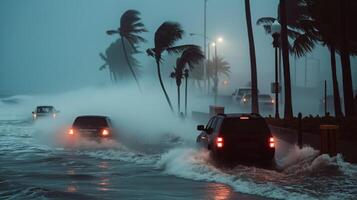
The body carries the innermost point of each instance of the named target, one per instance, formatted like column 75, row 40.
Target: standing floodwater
column 32, row 168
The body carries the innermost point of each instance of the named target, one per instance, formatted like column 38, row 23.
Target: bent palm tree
column 165, row 37
column 130, row 27
column 114, row 60
column 190, row 56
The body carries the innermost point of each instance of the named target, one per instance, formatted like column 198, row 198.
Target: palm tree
column 223, row 68
column 165, row 37
column 253, row 62
column 115, row 62
column 190, row 56
column 327, row 22
column 130, row 27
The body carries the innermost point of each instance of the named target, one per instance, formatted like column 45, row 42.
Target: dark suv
column 238, row 136
column 95, row 127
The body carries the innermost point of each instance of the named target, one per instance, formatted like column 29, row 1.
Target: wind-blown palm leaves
column 129, row 30
column 165, row 38
column 301, row 41
column 190, row 56
column 115, row 61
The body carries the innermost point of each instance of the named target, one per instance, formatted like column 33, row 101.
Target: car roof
column 92, row 116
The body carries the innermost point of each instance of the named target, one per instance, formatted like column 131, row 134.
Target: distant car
column 92, row 127
column 266, row 102
column 44, row 111
column 233, row 137
column 239, row 93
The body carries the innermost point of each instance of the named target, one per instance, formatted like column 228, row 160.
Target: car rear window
column 244, row 126
column 244, row 91
column 44, row 109
column 90, row 122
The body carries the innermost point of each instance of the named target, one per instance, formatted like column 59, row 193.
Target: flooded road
column 32, row 166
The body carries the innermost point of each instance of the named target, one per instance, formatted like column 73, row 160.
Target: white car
column 44, row 111
column 266, row 102
column 239, row 93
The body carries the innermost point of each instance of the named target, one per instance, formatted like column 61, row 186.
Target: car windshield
column 244, row 126
column 244, row 91
column 90, row 122
column 44, row 109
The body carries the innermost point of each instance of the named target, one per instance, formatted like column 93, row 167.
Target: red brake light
column 219, row 142
column 105, row 132
column 271, row 142
column 244, row 118
column 71, row 131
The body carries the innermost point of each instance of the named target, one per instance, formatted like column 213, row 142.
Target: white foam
column 195, row 164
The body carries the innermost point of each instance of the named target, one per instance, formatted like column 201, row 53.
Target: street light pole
column 276, row 28
column 205, row 46
column 216, row 75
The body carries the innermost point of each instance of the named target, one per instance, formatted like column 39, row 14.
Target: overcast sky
column 53, row 45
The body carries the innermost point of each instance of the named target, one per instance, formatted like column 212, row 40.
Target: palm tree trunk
column 178, row 101
column 336, row 92
column 288, row 108
column 253, row 62
column 186, row 82
column 163, row 86
column 129, row 64
column 345, row 60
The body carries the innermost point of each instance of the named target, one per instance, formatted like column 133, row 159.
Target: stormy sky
column 53, row 46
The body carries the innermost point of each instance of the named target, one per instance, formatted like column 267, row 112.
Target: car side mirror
column 200, row 128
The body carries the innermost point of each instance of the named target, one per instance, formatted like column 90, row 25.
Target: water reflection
column 104, row 181
column 220, row 191
column 72, row 187
column 104, row 184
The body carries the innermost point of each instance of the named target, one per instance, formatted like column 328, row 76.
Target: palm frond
column 167, row 34
column 102, row 56
column 101, row 68
column 303, row 45
column 130, row 26
column 266, row 21
column 191, row 55
column 179, row 49
column 112, row 32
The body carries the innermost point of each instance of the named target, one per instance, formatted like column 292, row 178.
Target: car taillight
column 105, row 132
column 271, row 142
column 219, row 142
column 71, row 131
